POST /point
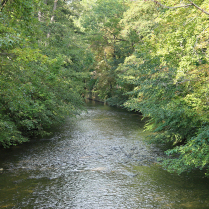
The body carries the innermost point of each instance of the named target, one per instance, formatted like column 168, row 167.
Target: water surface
column 96, row 160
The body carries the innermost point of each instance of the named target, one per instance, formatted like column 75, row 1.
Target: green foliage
column 101, row 21
column 194, row 154
column 153, row 58
column 142, row 55
column 42, row 70
column 169, row 71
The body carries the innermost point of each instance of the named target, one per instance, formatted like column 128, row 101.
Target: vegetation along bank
column 148, row 56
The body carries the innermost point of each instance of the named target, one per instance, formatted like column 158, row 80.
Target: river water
column 98, row 160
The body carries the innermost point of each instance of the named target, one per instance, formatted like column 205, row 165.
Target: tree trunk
column 52, row 17
column 54, row 9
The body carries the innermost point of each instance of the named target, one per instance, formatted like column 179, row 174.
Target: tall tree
column 102, row 23
column 169, row 70
column 41, row 77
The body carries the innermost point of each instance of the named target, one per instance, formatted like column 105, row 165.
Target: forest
column 146, row 56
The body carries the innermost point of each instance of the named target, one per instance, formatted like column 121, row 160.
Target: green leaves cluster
column 101, row 22
column 172, row 84
column 42, row 71
column 146, row 56
column 159, row 66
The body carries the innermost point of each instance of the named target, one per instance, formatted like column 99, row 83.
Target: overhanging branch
column 180, row 6
column 176, row 7
column 198, row 7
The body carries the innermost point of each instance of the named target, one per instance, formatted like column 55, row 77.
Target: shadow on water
column 97, row 160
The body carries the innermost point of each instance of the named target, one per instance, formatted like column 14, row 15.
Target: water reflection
column 97, row 160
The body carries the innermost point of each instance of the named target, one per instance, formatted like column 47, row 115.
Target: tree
column 169, row 70
column 41, row 76
column 101, row 22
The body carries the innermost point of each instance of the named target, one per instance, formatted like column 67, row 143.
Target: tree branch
column 3, row 3
column 164, row 6
column 207, row 13
column 180, row 6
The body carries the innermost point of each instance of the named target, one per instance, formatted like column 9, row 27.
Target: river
column 98, row 160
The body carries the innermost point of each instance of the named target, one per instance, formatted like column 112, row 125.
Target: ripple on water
column 97, row 160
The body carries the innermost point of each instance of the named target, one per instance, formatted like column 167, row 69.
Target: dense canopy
column 144, row 55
